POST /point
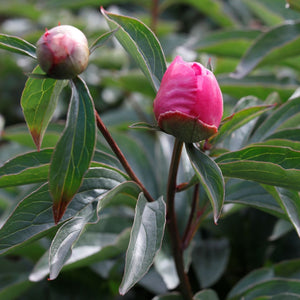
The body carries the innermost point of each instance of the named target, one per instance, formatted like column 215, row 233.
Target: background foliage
column 254, row 48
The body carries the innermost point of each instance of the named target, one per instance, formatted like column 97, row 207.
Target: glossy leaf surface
column 210, row 176
column 17, row 45
column 74, row 151
column 141, row 43
column 145, row 240
column 279, row 166
column 277, row 43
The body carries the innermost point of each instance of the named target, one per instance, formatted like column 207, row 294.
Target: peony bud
column 189, row 103
column 63, row 52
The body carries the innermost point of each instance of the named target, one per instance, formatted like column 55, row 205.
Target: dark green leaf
column 39, row 100
column 278, row 43
column 33, row 216
column 74, row 151
column 145, row 240
column 33, row 167
column 210, row 176
column 171, row 296
column 144, row 125
column 279, row 166
column 239, row 119
column 17, row 45
column 276, row 119
column 141, row 43
column 252, row 194
column 210, row 257
column 206, row 295
column 27, row 168
column 289, row 200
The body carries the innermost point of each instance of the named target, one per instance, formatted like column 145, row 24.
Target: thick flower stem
column 172, row 223
column 120, row 155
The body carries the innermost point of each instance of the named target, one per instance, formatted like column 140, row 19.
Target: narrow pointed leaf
column 239, row 119
column 17, row 45
column 145, row 240
column 279, row 166
column 60, row 249
column 279, row 42
column 33, row 167
column 210, row 176
column 102, row 40
column 289, row 200
column 39, row 100
column 276, row 119
column 141, row 43
column 33, row 217
column 74, row 151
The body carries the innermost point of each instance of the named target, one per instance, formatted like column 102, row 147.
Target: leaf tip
column 36, row 136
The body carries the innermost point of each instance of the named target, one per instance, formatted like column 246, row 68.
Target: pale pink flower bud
column 63, row 52
column 189, row 103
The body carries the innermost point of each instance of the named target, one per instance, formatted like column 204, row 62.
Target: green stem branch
column 101, row 126
column 172, row 222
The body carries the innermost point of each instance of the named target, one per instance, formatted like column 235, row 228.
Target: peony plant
column 146, row 197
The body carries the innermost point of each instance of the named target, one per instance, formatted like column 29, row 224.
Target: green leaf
column 289, row 200
column 39, row 100
column 279, row 42
column 33, row 217
column 140, row 42
column 214, row 9
column 229, row 43
column 68, row 233
column 279, row 166
column 171, row 296
column 210, row 176
column 70, row 249
column 258, row 86
column 276, row 119
column 252, row 194
column 206, row 295
column 74, row 151
column 26, row 168
column 17, row 45
column 210, row 258
column 101, row 40
column 239, row 119
column 33, row 167
column 145, row 240
column 264, row 12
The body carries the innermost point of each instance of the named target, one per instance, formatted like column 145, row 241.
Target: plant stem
column 187, row 233
column 172, row 223
column 154, row 15
column 120, row 155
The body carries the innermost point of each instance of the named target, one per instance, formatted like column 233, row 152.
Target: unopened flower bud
column 63, row 52
column 189, row 103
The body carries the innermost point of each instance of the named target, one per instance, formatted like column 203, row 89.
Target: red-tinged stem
column 154, row 15
column 120, row 155
column 186, row 239
column 177, row 248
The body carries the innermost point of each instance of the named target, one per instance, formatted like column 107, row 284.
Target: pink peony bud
column 189, row 103
column 63, row 52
